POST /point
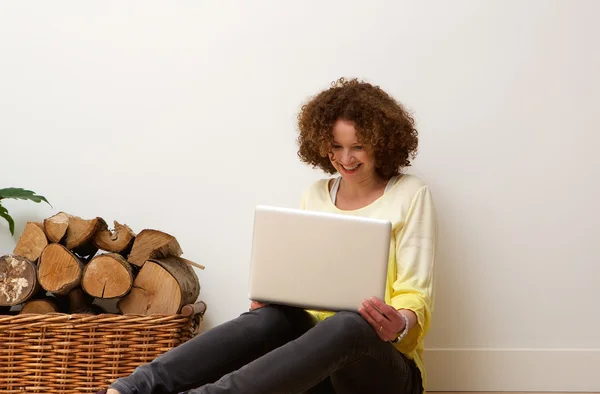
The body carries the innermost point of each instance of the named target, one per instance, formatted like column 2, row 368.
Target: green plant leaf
column 9, row 219
column 21, row 194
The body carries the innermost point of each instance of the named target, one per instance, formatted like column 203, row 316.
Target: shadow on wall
column 447, row 328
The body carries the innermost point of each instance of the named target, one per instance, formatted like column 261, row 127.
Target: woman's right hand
column 255, row 305
column 112, row 391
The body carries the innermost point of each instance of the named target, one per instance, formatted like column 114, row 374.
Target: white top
column 336, row 186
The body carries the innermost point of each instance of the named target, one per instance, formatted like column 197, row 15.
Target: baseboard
column 547, row 370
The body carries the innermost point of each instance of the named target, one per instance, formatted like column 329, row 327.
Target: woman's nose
column 345, row 157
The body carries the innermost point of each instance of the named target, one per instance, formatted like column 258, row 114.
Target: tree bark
column 79, row 302
column 80, row 235
column 117, row 241
column 162, row 286
column 184, row 275
column 56, row 226
column 40, row 306
column 153, row 244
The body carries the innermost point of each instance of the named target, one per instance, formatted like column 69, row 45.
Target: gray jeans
column 278, row 349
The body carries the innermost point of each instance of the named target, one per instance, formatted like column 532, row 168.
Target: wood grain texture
column 59, row 269
column 107, row 276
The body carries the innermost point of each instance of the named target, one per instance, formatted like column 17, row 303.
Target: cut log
column 59, row 270
column 18, row 280
column 107, row 276
column 56, row 226
column 107, row 305
column 32, row 242
column 117, row 241
column 40, row 225
column 41, row 306
column 184, row 275
column 80, row 235
column 162, row 286
column 153, row 244
column 79, row 302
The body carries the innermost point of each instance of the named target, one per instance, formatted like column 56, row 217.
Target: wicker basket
column 73, row 354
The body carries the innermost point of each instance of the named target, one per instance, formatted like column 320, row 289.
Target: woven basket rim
column 188, row 311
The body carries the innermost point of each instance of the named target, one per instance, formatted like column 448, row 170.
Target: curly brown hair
column 382, row 125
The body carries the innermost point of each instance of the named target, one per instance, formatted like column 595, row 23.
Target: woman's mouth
column 350, row 169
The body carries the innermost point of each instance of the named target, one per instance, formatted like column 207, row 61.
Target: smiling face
column 350, row 158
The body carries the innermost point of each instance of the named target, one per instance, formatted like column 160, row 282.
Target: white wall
column 156, row 114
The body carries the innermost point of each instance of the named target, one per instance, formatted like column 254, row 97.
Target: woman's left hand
column 385, row 320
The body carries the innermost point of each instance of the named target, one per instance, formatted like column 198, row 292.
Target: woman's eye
column 358, row 147
column 335, row 147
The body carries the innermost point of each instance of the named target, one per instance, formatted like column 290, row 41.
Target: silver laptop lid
column 317, row 260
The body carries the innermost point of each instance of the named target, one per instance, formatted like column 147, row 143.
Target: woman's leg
column 299, row 365
column 370, row 375
column 218, row 351
column 323, row 387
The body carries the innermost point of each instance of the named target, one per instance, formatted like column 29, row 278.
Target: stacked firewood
column 67, row 264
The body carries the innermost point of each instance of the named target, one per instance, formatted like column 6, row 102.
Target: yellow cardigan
column 408, row 204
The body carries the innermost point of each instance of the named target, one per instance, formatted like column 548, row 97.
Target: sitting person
column 358, row 131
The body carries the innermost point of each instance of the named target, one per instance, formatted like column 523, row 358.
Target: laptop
column 316, row 260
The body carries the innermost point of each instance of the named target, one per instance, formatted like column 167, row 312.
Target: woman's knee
column 351, row 322
column 285, row 318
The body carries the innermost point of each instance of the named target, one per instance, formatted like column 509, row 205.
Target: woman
column 357, row 130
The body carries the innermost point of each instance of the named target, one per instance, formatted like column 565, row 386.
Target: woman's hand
column 255, row 305
column 385, row 320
